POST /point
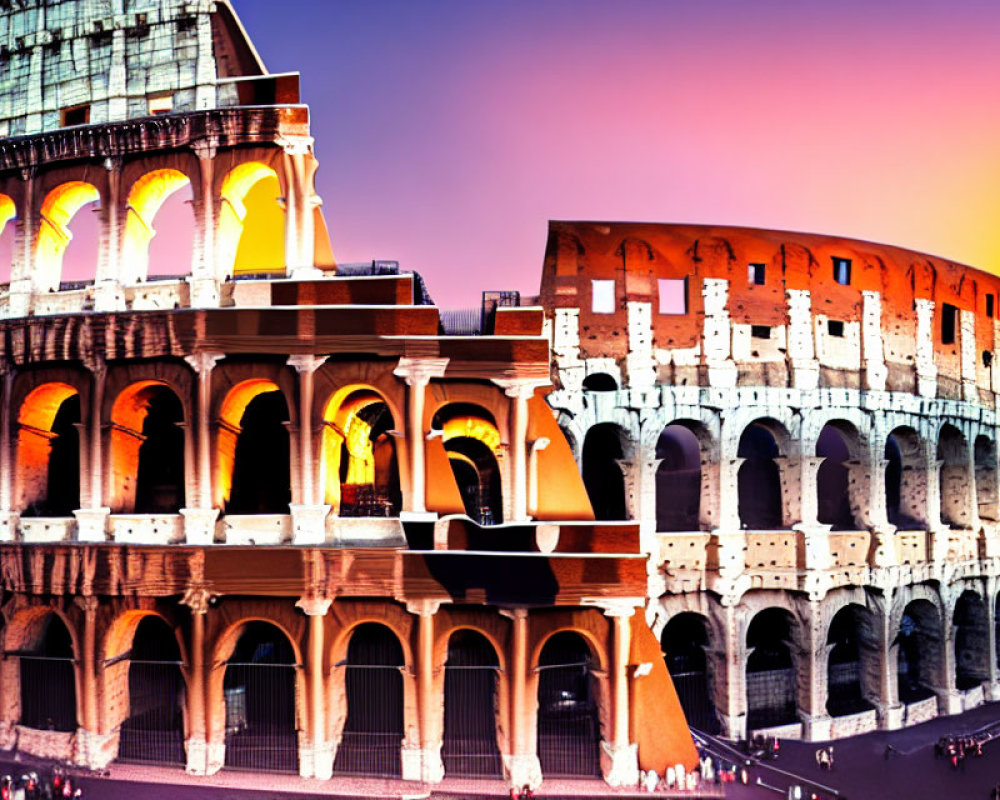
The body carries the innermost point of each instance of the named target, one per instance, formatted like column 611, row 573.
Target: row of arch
column 262, row 683
column 66, row 243
column 966, row 482
column 149, row 457
column 851, row 655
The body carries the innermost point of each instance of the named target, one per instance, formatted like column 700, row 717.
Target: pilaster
column 417, row 372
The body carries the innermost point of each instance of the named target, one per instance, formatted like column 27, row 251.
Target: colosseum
column 260, row 510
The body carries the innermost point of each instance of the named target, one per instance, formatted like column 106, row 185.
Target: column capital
column 514, row 613
column 419, row 371
column 198, row 597
column 306, row 363
column 314, row 606
column 205, row 149
column 424, row 606
column 87, row 603
column 297, row 145
column 522, row 388
column 203, row 361
column 96, row 364
column 614, row 606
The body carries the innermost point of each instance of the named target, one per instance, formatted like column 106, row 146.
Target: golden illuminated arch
column 473, row 427
column 58, row 209
column 230, row 417
column 34, row 439
column 250, row 190
column 146, row 198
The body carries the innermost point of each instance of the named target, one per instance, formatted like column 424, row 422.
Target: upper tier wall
column 703, row 305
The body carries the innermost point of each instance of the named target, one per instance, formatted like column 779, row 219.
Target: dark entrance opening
column 568, row 727
column 602, row 449
column 918, row 658
column 684, row 641
column 678, row 480
column 902, row 471
column 373, row 731
column 48, row 683
column 160, row 477
column 259, row 688
column 759, row 482
column 381, row 497
column 771, row 680
column 154, row 730
column 600, row 382
column 261, row 473
column 833, row 480
column 62, row 488
column 845, row 692
column 478, row 477
column 470, row 699
column 971, row 642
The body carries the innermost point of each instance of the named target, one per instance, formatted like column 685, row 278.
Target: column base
column 991, row 691
column 950, row 702
column 215, row 757
column 418, row 516
column 309, row 524
column 939, row 543
column 9, row 521
column 523, row 770
column 411, row 763
column 620, row 765
column 323, row 761
column 204, row 292
column 108, row 296
column 733, row 727
column 92, row 524
column 309, row 273
column 197, row 756
column 199, row 525
column 891, row 718
column 96, row 750
column 883, row 546
column 817, row 729
column 816, row 539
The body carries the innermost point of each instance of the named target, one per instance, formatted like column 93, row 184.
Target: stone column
column 940, row 533
column 800, row 501
column 729, row 658
column 199, row 519
column 108, row 294
column 309, row 518
column 967, row 344
column 620, row 757
column 730, row 538
column 8, row 517
column 417, row 372
column 22, row 267
column 317, row 761
column 993, row 689
column 801, row 346
column 949, row 698
column 92, row 747
column 92, row 521
column 300, row 236
column 520, row 390
column 811, row 672
column 872, row 353
column 204, row 282
column 197, row 598
column 926, row 368
column 867, row 476
column 718, row 335
column 537, row 446
column 521, row 764
column 430, row 704
column 890, row 711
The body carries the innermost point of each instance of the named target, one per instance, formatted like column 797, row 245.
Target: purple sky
column 450, row 131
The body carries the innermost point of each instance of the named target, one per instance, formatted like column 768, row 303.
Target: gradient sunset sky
column 450, row 131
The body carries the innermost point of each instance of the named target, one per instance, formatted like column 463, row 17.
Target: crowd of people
column 957, row 748
column 30, row 786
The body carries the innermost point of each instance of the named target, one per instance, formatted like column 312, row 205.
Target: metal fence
column 48, row 693
column 695, row 694
column 844, row 692
column 260, row 717
column 154, row 730
column 771, row 698
column 568, row 728
column 470, row 739
column 373, row 731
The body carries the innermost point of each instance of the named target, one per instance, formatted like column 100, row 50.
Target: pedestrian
column 830, row 757
column 889, row 750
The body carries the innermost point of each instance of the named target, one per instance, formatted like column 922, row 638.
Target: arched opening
column 358, row 466
column 759, row 481
column 600, row 382
column 954, row 478
column 259, row 688
column 472, row 441
column 470, row 701
column 163, row 196
column 987, row 495
column 154, row 730
column 771, row 680
column 971, row 642
column 849, row 630
column 48, row 683
column 62, row 254
column 254, row 450
column 568, row 727
column 918, row 657
column 904, row 490
column 48, row 452
column 684, row 642
column 251, row 225
column 8, row 233
column 373, row 684
column 678, row 480
column 603, row 478
column 147, row 450
column 833, row 479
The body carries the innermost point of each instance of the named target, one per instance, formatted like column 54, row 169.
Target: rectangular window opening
column 161, row 104
column 835, row 328
column 756, row 273
column 673, row 295
column 949, row 316
column 77, row 115
column 989, row 305
column 760, row 331
column 842, row 271
column 602, row 296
